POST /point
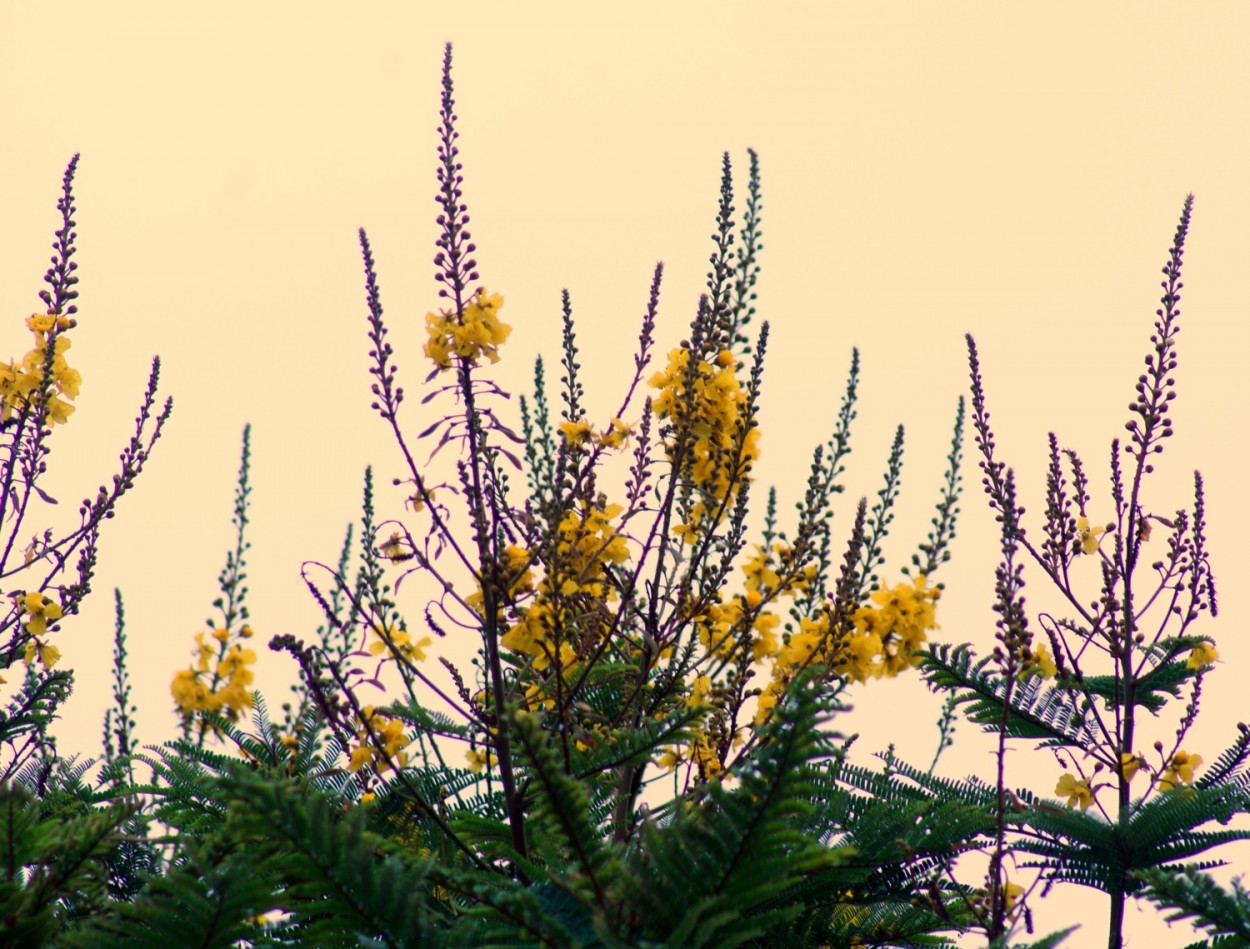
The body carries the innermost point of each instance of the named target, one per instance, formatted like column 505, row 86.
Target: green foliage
column 1223, row 913
column 56, row 865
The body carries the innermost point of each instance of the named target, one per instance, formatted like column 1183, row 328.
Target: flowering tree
column 1126, row 645
column 638, row 752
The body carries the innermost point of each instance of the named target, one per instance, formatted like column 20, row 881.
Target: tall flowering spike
column 720, row 277
column 1155, row 389
column 456, row 268
column 748, row 268
column 60, row 276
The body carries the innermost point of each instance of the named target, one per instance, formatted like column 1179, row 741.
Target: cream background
column 928, row 169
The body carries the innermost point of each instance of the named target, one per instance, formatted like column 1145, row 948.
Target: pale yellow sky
column 929, row 169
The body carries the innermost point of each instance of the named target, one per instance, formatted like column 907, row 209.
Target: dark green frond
column 1193, row 895
column 567, row 840
column 218, row 899
column 54, row 867
column 340, row 880
column 734, row 854
column 1050, row 713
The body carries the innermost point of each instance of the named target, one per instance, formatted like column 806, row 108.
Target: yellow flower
column 47, row 655
column 901, row 619
column 1077, row 792
column 40, row 610
column 1088, row 537
column 617, row 435
column 1180, row 770
column 397, row 642
column 59, row 411
column 188, row 691
column 704, row 755
column 417, row 502
column 709, row 400
column 379, row 728
column 40, row 322
column 765, row 643
column 361, row 756
column 669, row 760
column 1202, row 655
column 394, row 550
column 1129, row 764
column 1039, row 664
column 700, row 692
column 479, row 760
column 1011, row 894
column 578, row 433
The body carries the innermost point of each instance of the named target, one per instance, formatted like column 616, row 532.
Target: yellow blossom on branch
column 220, row 679
column 47, row 654
column 396, row 642
column 901, row 618
column 1129, row 764
column 22, row 384
column 1039, row 663
column 39, row 611
column 1201, row 656
column 1088, row 538
column 1180, row 770
column 474, row 332
column 577, row 434
column 1076, row 790
column 379, row 728
column 617, row 436
column 709, row 400
column 1011, row 895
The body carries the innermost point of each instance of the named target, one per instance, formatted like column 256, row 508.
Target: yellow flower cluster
column 720, row 624
column 397, row 643
column 714, row 408
column 387, row 731
column 21, row 383
column 1130, row 764
column 581, row 434
column 474, row 332
column 811, row 644
column 699, row 750
column 587, row 542
column 221, row 687
column 738, row 623
column 516, row 578
column 881, row 643
column 892, row 630
column 39, row 610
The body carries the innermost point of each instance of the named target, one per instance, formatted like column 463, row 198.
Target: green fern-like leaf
column 735, row 854
column 1223, row 913
column 217, row 899
column 1052, row 714
column 54, row 867
column 338, row 879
